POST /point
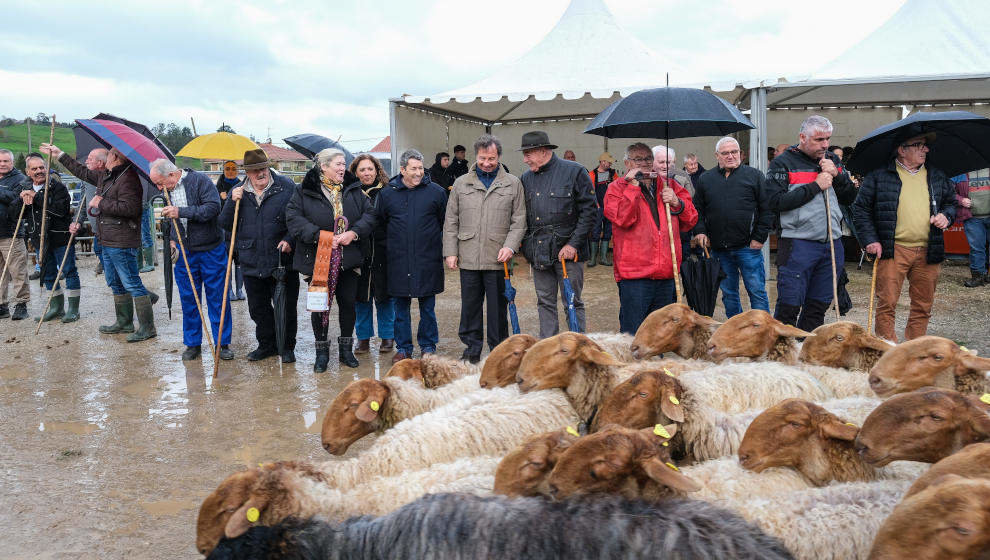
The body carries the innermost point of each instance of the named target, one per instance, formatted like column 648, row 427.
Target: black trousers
column 346, row 296
column 479, row 286
column 260, row 294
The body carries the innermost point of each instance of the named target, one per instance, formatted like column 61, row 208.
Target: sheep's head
column 972, row 461
column 355, row 413
column 503, row 362
column 924, row 425
column 220, row 505
column 664, row 330
column 407, row 369
column 645, row 399
column 922, row 362
column 616, row 458
column 793, row 433
column 750, row 334
column 839, row 344
column 551, row 362
column 949, row 520
column 524, row 471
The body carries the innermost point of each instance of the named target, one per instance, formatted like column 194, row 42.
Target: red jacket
column 642, row 250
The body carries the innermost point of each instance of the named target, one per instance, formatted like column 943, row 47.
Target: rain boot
column 72, row 310
column 124, row 307
column 322, row 356
column 238, row 284
column 4, row 311
column 149, row 259
column 140, row 259
column 99, row 267
column 363, row 346
column 978, row 279
column 606, row 254
column 346, row 355
column 593, row 257
column 55, row 308
column 146, row 320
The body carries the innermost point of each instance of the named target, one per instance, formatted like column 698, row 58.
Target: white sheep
column 433, row 370
column 842, row 382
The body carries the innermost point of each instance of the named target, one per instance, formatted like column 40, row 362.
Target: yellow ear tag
column 261, row 466
column 964, row 349
column 573, row 432
column 667, row 371
column 375, row 406
column 851, row 424
column 661, row 431
column 253, row 514
column 671, row 465
column 985, row 398
column 665, row 444
column 674, row 400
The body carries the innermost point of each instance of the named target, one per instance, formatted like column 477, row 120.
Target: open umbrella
column 166, row 259
column 309, row 145
column 136, row 147
column 218, row 145
column 572, row 320
column 510, row 295
column 87, row 142
column 278, row 299
column 668, row 113
column 702, row 277
column 961, row 145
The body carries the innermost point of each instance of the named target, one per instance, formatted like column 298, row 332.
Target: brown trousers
column 17, row 271
column 922, row 277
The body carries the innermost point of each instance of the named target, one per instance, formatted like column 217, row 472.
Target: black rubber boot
column 238, row 294
column 813, row 314
column 322, row 356
column 593, row 257
column 978, row 279
column 345, row 352
column 4, row 311
column 146, row 320
column 787, row 314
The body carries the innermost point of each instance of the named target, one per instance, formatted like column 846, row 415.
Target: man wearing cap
column 560, row 212
column 601, row 233
column 262, row 243
column 900, row 213
column 195, row 205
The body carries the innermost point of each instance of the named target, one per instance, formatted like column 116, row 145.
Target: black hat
column 536, row 139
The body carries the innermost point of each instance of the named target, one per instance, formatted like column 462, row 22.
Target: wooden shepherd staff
column 831, row 247
column 226, row 286
column 44, row 208
column 873, row 291
column 13, row 239
column 673, row 255
column 182, row 249
column 61, row 266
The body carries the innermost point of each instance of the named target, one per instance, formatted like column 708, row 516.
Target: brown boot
column 362, row 347
column 399, row 356
column 387, row 345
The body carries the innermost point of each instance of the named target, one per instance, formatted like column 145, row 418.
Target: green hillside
column 14, row 138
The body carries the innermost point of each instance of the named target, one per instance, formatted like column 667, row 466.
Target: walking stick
column 6, row 260
column 65, row 255
column 831, row 247
column 44, row 208
column 192, row 284
column 873, row 290
column 673, row 255
column 226, row 286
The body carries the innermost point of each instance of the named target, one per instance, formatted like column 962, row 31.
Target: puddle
column 11, row 373
column 78, row 428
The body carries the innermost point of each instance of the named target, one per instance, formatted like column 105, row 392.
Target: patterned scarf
column 332, row 191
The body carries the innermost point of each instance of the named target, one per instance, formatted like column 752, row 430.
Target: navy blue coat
column 260, row 228
column 413, row 219
column 201, row 211
column 10, row 188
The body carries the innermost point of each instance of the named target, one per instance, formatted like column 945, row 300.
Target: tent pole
column 391, row 134
column 758, row 143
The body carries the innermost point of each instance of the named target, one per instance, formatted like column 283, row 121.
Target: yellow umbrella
column 219, row 145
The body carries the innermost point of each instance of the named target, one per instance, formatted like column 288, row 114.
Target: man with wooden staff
column 195, row 205
column 13, row 252
column 803, row 183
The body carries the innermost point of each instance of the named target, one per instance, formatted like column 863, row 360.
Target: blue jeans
column 750, row 263
column 121, row 271
column 208, row 271
column 639, row 298
column 146, row 239
column 976, row 234
column 427, row 334
column 69, row 273
column 364, row 326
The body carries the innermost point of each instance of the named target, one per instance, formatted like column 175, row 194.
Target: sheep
column 645, row 399
column 433, row 370
column 843, row 344
column 972, row 461
column 814, row 441
column 929, row 361
column 502, row 363
column 949, row 520
column 756, row 334
column 619, row 345
column 925, row 425
column 523, row 471
column 674, row 328
column 285, row 489
column 743, row 386
column 464, row 526
column 840, row 381
column 366, row 406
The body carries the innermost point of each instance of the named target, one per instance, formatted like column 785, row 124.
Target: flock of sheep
column 748, row 444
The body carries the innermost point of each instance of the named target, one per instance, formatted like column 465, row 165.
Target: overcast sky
column 330, row 67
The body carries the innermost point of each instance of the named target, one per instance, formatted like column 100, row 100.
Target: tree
column 172, row 136
column 226, row 128
column 41, row 118
column 21, row 162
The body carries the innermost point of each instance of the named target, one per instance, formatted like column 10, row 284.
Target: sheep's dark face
column 925, row 425
column 407, row 369
column 837, row 344
column 503, row 362
column 353, row 414
column 551, row 362
column 645, row 399
column 524, row 471
column 973, row 461
column 790, row 434
column 919, row 363
column 220, row 505
column 749, row 335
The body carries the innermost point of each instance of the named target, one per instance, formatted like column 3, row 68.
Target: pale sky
column 330, row 67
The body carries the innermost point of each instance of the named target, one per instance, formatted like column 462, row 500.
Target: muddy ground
column 108, row 448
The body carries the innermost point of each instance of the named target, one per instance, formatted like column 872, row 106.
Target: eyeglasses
column 638, row 160
column 918, row 145
column 729, row 153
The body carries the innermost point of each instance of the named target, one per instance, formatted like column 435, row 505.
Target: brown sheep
column 755, row 334
column 524, row 470
column 972, row 461
column 929, row 361
column 674, row 328
column 431, row 370
column 843, row 345
column 503, row 361
column 925, row 425
column 633, row 463
column 645, row 399
column 949, row 520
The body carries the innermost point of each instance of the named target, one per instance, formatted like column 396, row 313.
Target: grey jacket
column 794, row 194
column 481, row 221
column 560, row 210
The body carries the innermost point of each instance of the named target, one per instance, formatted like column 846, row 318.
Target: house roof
column 384, row 146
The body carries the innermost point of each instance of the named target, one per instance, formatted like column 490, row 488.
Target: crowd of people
column 393, row 236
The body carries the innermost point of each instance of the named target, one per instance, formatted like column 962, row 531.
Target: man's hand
column 504, row 254
column 824, row 180
column 755, row 245
column 939, row 221
column 95, row 201
column 966, row 203
column 223, row 196
column 631, row 174
column 702, row 240
column 27, row 197
column 828, row 167
column 50, row 149
column 669, row 197
column 236, row 193
column 74, row 228
column 451, row 262
column 345, row 238
column 567, row 253
column 875, row 249
column 284, row 246
column 170, row 212
column 173, row 252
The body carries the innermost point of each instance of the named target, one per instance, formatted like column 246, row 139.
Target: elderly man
column 13, row 253
column 262, row 238
column 412, row 208
column 601, row 233
column 735, row 220
column 800, row 182
column 900, row 213
column 485, row 223
column 560, row 212
column 117, row 206
column 96, row 160
column 195, row 205
column 665, row 165
column 643, row 266
column 693, row 167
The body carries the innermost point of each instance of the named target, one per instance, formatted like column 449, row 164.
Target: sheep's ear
column 670, row 405
column 867, row 340
column 971, row 361
column 669, row 475
column 980, row 418
column 835, row 429
column 787, row 330
column 593, row 353
column 705, row 321
column 367, row 411
column 241, row 520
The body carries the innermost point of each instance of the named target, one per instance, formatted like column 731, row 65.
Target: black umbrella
column 310, row 144
column 961, row 145
column 702, row 276
column 279, row 300
column 668, row 113
column 166, row 259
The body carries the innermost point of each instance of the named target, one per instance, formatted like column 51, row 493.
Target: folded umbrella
column 309, row 145
column 218, row 145
column 572, row 319
column 278, row 299
column 702, row 277
column 166, row 259
column 136, row 147
column 510, row 295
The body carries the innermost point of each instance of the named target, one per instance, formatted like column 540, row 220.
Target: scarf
column 332, row 191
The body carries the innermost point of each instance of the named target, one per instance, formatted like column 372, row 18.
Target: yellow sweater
column 912, row 209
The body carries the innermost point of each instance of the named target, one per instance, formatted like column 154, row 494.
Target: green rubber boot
column 593, row 257
column 146, row 320
column 55, row 308
column 148, row 254
column 72, row 311
column 606, row 254
column 124, row 307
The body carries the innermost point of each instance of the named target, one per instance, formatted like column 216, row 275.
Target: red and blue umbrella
column 136, row 147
